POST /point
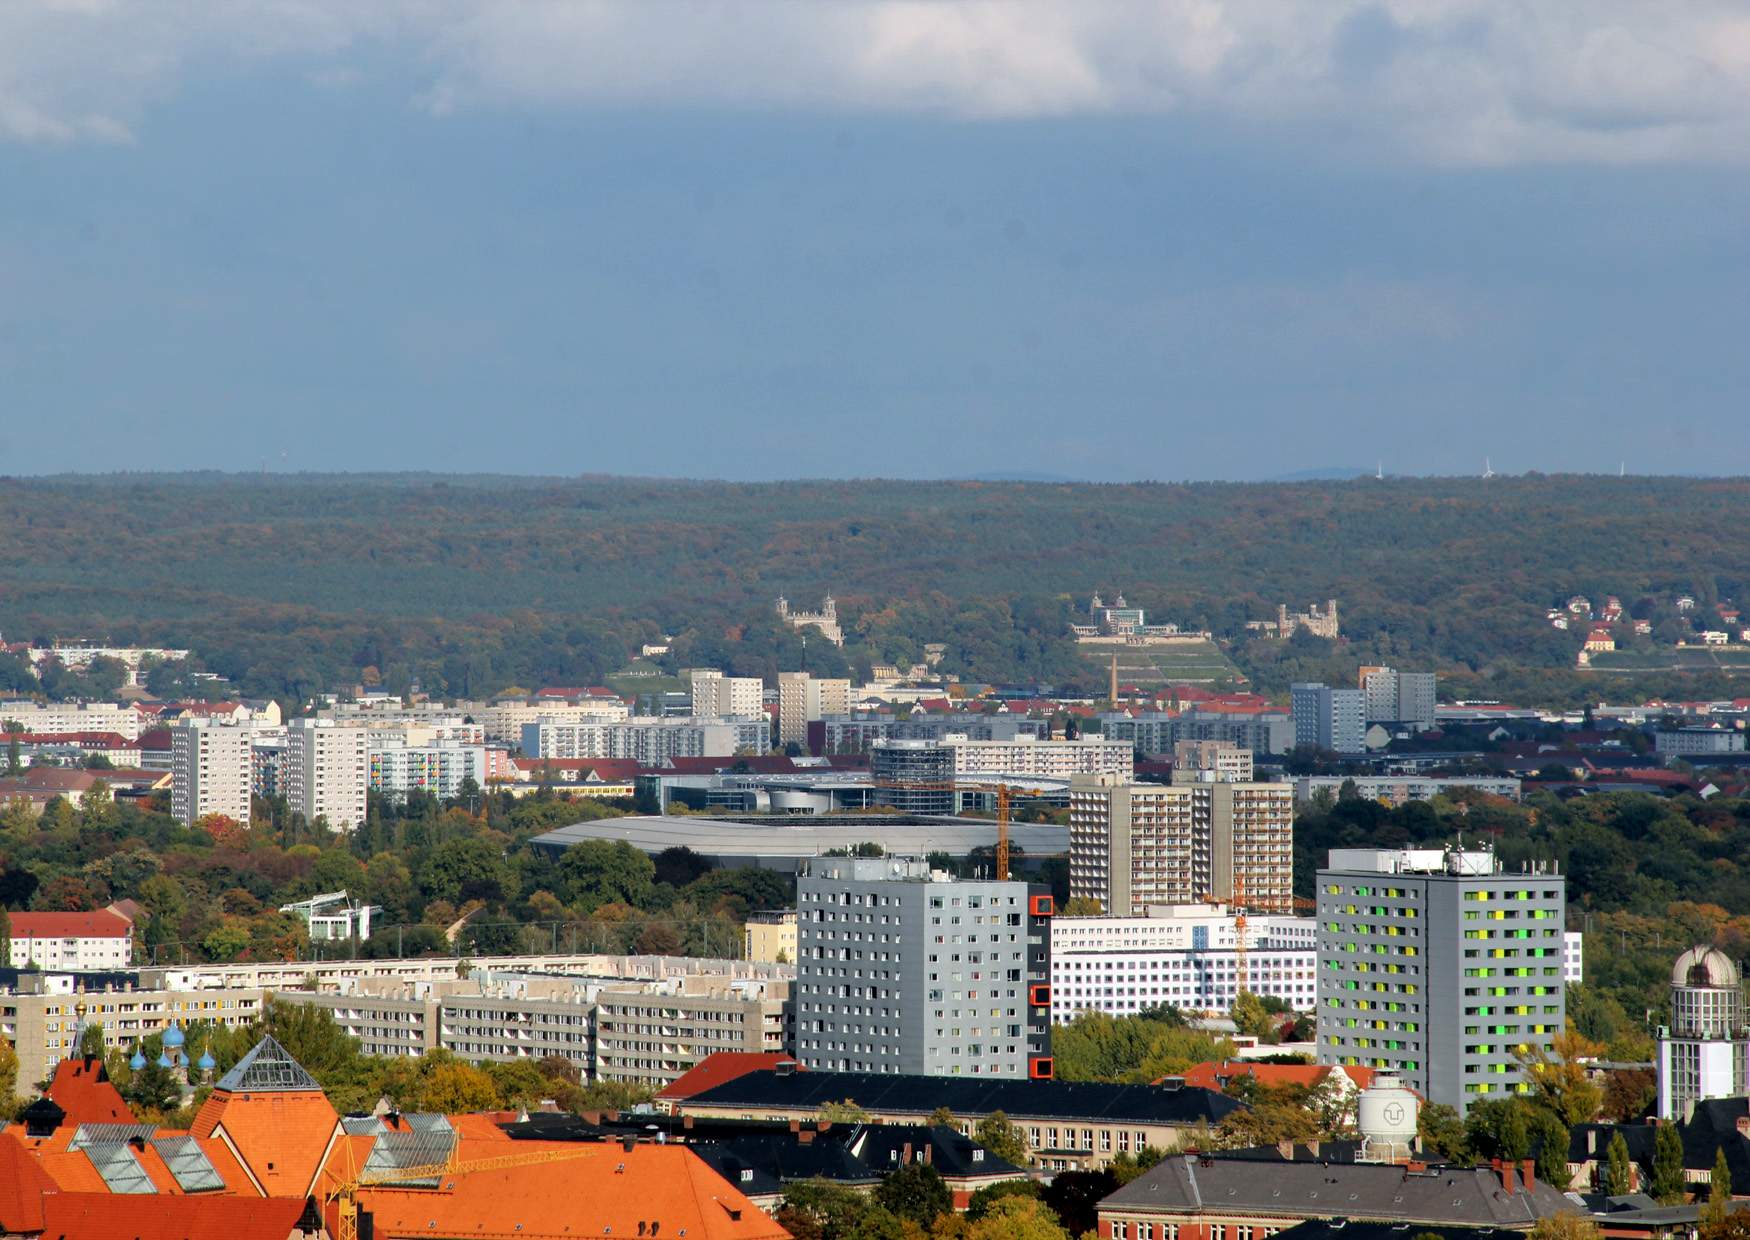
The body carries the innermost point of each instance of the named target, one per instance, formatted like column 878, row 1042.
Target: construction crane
column 1005, row 792
column 344, row 1195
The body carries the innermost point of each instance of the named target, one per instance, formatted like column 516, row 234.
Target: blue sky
column 913, row 240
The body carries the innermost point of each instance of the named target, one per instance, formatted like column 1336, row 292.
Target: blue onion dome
column 163, row 1060
column 173, row 1036
column 206, row 1063
column 137, row 1062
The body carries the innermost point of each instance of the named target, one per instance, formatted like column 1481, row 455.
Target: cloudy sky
column 1091, row 238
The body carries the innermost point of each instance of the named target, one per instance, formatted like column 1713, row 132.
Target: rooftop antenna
column 1488, row 469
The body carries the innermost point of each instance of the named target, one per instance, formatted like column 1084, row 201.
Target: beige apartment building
column 1133, row 845
column 770, row 937
column 646, row 1032
column 716, row 696
column 211, row 765
column 802, row 698
column 44, row 1027
column 326, row 770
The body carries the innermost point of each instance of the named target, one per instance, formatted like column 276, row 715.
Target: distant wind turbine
column 1488, row 469
column 1379, row 471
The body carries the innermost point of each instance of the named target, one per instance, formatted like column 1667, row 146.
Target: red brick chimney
column 1528, row 1173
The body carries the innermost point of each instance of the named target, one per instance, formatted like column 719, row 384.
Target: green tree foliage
column 1619, row 1168
column 1442, row 1131
column 1005, row 1140
column 1017, row 1218
column 1075, row 1196
column 990, row 1194
column 1668, row 1181
column 1550, row 1137
column 916, row 1192
column 1144, row 1047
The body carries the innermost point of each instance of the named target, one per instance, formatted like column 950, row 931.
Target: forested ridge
column 287, row 584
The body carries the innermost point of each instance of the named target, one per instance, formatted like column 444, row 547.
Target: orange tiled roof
column 137, row 1216
column 609, row 1191
column 95, row 925
column 22, row 1185
column 82, row 1089
column 281, row 1137
column 1215, row 1075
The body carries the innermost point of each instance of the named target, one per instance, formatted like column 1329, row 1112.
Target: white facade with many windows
column 1181, row 956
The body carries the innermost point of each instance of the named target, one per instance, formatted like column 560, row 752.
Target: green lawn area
column 1687, row 659
column 642, row 677
column 1202, row 663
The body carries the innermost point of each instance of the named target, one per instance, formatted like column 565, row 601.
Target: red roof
column 609, row 770
column 721, row 1068
column 155, row 738
column 101, row 924
column 1216, row 1075
column 81, row 1088
column 162, row 1216
column 23, row 1183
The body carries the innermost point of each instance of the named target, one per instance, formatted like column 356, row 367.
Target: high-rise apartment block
column 440, row 768
column 1437, row 965
column 1391, row 696
column 803, row 699
column 901, row 969
column 325, row 770
column 1329, row 719
column 716, row 696
column 1136, row 845
column 211, row 770
column 1705, row 1050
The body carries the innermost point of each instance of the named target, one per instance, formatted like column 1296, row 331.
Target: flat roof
column 788, row 839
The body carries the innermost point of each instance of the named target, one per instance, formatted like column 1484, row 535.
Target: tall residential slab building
column 1437, row 965
column 1391, row 696
column 211, row 770
column 1136, row 845
column 803, row 699
column 325, row 770
column 901, row 969
column 716, row 696
column 1329, row 719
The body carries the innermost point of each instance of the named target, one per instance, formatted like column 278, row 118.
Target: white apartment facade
column 1049, row 759
column 716, row 696
column 504, row 721
column 211, row 770
column 326, row 771
column 72, row 717
column 86, row 942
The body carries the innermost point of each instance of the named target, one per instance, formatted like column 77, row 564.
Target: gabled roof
column 267, row 1068
column 721, row 1067
column 82, row 1089
column 100, row 924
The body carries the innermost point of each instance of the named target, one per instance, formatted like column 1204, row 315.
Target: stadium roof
column 780, row 842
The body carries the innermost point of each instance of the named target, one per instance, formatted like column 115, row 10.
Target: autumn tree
column 1559, row 1078
column 1567, row 1225
column 1005, row 1140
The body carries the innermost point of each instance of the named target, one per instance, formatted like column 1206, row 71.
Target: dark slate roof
column 1712, row 1126
column 1372, row 1191
column 954, row 1154
column 1343, row 1229
column 1020, row 1100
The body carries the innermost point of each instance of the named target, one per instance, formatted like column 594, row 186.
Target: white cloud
column 1457, row 81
